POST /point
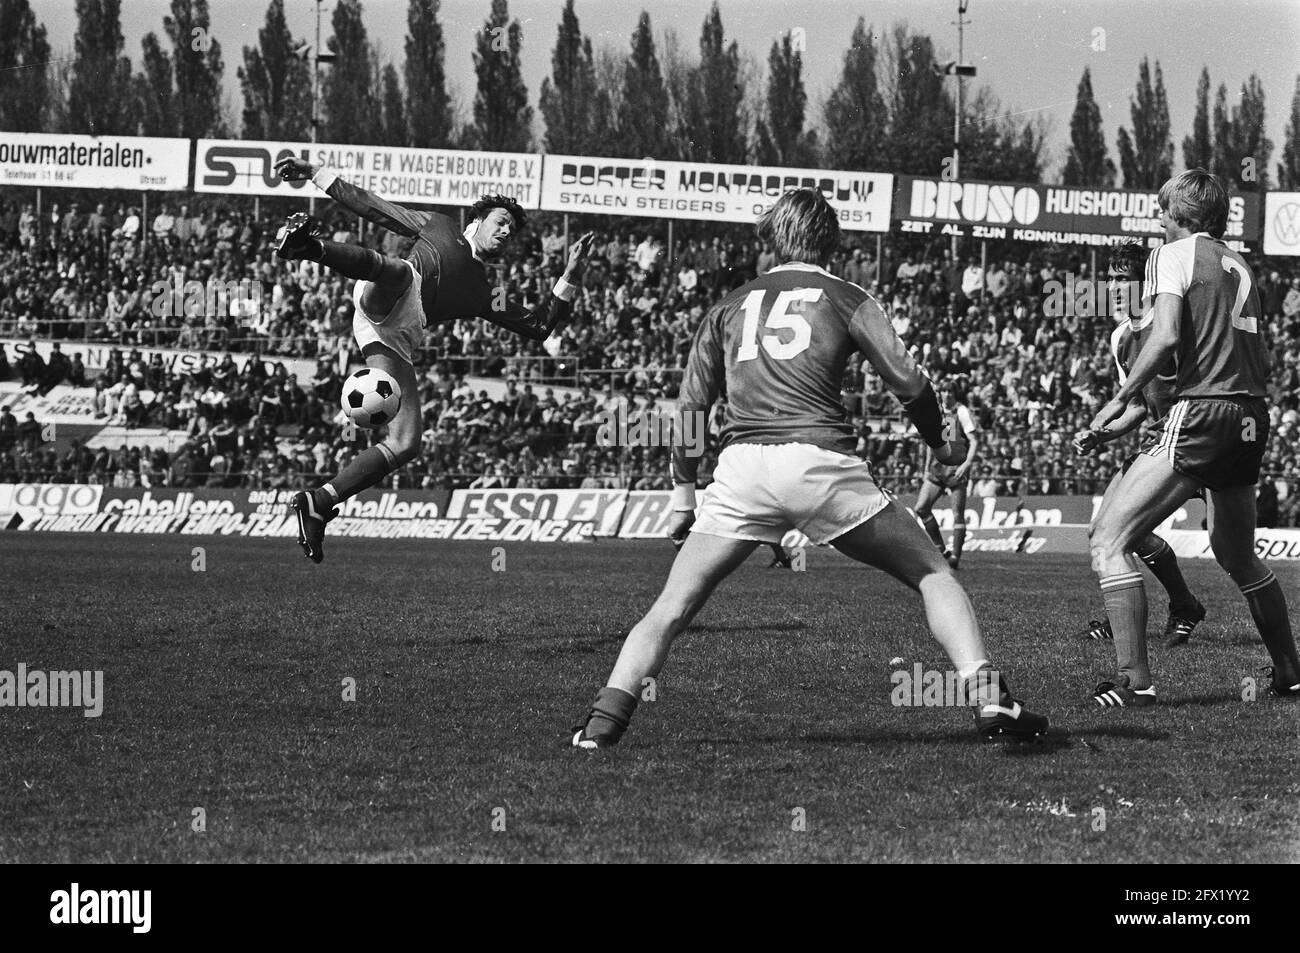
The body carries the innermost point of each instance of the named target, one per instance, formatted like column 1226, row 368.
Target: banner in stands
column 404, row 176
column 23, row 504
column 1283, row 544
column 699, row 190
column 603, row 509
column 1282, row 223
column 46, row 160
column 95, row 356
column 63, row 404
column 1048, row 213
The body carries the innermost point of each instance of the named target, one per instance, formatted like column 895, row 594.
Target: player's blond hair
column 801, row 226
column 1196, row 200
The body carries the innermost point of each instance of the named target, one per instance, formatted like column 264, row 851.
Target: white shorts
column 762, row 491
column 403, row 328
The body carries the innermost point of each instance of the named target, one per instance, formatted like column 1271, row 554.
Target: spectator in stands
column 8, row 430
column 29, row 433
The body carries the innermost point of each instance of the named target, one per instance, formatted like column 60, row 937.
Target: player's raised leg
column 1231, row 520
column 315, row 508
column 1146, row 494
column 389, row 277
column 891, row 541
column 703, row 561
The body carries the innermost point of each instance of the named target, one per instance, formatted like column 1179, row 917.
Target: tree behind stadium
column 712, row 123
column 276, row 82
column 1239, row 135
column 100, row 85
column 24, row 51
column 352, row 110
column 428, row 107
column 576, row 110
column 1147, row 156
column 1087, row 163
column 642, row 115
column 856, row 118
column 781, row 138
column 1288, row 170
column 503, row 120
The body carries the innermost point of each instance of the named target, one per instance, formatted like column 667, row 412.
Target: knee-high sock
column 1160, row 559
column 1126, row 606
column 958, row 538
column 932, row 529
column 351, row 261
column 610, row 714
column 368, row 468
column 1268, row 609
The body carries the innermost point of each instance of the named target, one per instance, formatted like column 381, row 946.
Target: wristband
column 683, row 498
column 564, row 290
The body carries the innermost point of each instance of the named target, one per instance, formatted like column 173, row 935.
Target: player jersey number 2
column 1239, row 321
column 778, row 319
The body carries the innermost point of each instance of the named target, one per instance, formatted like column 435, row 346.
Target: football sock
column 351, row 261
column 1160, row 559
column 932, row 529
column 1125, row 598
column 958, row 538
column 1268, row 608
column 366, row 469
column 334, row 494
column 610, row 714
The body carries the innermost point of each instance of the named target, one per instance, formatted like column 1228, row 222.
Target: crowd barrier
column 1047, row 524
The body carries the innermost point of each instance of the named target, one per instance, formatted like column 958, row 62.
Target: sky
column 1030, row 52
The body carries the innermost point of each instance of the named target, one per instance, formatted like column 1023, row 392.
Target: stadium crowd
column 205, row 278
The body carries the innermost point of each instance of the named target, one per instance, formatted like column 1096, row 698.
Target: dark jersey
column 1125, row 343
column 1220, row 350
column 777, row 349
column 455, row 283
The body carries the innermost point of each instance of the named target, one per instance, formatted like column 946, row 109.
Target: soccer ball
column 371, row 397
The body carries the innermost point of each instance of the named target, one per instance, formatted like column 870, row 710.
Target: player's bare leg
column 1145, row 496
column 401, row 445
column 891, row 541
column 1231, row 521
column 701, row 563
column 925, row 500
column 1185, row 610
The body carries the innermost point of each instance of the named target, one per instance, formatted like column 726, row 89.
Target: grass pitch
column 224, row 692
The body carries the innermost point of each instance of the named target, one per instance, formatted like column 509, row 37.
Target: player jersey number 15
column 779, row 318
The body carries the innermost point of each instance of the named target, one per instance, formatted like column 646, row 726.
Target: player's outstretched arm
column 902, row 376
column 1088, row 441
column 385, row 214
column 555, row 307
column 701, row 385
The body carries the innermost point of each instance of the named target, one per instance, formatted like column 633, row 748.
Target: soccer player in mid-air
column 1133, row 315
column 442, row 279
column 1206, row 316
column 940, row 478
column 778, row 347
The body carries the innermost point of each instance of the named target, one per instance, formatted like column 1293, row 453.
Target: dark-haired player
column 1133, row 315
column 1206, row 316
column 941, row 478
column 443, row 278
column 778, row 347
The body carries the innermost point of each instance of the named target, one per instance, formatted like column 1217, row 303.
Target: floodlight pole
column 962, row 6
column 315, row 101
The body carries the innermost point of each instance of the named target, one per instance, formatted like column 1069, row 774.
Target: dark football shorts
column 944, row 477
column 1218, row 441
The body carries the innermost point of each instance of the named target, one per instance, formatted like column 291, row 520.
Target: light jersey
column 1125, row 343
column 1220, row 350
column 777, row 349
